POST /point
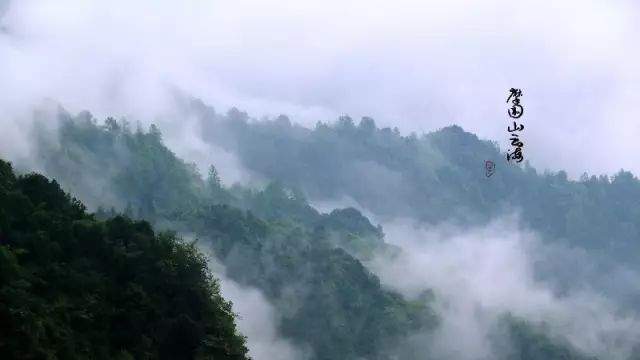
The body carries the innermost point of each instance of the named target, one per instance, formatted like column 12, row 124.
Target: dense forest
column 75, row 287
column 311, row 266
column 271, row 238
column 435, row 177
column 439, row 177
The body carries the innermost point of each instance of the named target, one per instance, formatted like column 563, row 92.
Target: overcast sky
column 418, row 65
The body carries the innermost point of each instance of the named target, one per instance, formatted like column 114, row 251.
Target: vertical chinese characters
column 515, row 111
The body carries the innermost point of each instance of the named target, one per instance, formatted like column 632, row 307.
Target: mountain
column 434, row 178
column 271, row 239
column 311, row 266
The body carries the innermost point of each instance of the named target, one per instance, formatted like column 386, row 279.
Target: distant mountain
column 433, row 178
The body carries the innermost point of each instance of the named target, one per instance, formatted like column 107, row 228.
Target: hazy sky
column 418, row 65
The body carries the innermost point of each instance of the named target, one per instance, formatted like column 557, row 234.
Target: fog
column 418, row 65
column 256, row 318
column 184, row 138
column 480, row 274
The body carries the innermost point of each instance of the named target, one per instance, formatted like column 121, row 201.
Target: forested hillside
column 311, row 266
column 271, row 238
column 74, row 287
column 433, row 177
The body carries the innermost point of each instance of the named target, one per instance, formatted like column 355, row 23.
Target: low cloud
column 257, row 319
column 418, row 65
column 481, row 274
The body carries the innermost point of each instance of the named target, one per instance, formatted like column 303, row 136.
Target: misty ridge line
column 191, row 130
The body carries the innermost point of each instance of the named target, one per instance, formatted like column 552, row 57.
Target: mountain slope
column 73, row 287
column 270, row 239
column 433, row 178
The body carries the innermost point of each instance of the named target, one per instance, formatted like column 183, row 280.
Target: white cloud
column 480, row 274
column 416, row 64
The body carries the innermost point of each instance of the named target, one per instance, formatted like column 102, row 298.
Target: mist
column 481, row 274
column 256, row 319
column 415, row 65
column 184, row 138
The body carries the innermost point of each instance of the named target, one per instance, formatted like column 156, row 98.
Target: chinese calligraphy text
column 515, row 111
